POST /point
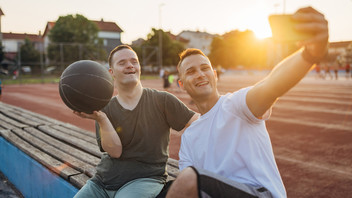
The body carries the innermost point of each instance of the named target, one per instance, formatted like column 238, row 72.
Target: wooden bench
column 69, row 153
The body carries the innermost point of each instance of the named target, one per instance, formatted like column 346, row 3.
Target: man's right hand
column 96, row 115
column 110, row 141
column 311, row 21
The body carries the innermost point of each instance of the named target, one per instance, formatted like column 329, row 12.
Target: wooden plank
column 6, row 125
column 68, row 159
column 172, row 171
column 73, row 141
column 4, row 131
column 172, row 162
column 21, row 111
column 51, row 163
column 43, row 119
column 172, row 168
column 3, row 118
column 33, row 119
column 79, row 180
column 5, row 107
column 79, row 154
column 21, row 119
column 74, row 128
column 76, row 134
column 170, row 178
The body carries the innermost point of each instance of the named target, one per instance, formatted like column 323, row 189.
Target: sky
column 137, row 17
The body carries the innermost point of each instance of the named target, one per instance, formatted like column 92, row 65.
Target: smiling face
column 197, row 77
column 125, row 67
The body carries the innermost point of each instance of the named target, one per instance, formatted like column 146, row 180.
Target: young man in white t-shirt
column 227, row 152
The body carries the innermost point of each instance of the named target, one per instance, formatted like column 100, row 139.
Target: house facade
column 197, row 39
column 109, row 32
column 340, row 52
column 12, row 42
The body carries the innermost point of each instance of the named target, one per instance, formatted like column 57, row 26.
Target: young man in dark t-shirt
column 133, row 131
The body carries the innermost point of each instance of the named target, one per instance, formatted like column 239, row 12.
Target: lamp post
column 160, row 54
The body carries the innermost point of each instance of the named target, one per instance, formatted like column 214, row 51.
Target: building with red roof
column 12, row 41
column 109, row 32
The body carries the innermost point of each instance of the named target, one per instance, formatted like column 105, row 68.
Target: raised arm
column 110, row 141
column 291, row 70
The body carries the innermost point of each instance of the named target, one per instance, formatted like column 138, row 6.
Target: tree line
column 74, row 37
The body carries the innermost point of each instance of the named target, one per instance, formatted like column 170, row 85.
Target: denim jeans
column 138, row 188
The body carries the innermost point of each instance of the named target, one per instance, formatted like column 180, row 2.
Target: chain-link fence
column 51, row 60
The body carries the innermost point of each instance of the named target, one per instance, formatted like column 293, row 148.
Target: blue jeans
column 142, row 187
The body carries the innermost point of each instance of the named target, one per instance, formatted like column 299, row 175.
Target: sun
column 262, row 31
column 260, row 27
column 257, row 21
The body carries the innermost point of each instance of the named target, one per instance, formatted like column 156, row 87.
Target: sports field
column 310, row 128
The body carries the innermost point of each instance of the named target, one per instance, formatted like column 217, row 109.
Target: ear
column 111, row 71
column 215, row 74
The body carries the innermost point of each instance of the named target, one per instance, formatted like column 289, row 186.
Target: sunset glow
column 256, row 20
column 261, row 30
column 137, row 18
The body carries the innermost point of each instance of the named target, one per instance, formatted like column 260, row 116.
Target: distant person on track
column 317, row 70
column 347, row 68
column 327, row 71
column 133, row 132
column 166, row 82
column 336, row 71
column 227, row 152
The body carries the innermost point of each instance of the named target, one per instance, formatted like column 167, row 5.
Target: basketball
column 86, row 86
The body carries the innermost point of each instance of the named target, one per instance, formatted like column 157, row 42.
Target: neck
column 128, row 96
column 204, row 104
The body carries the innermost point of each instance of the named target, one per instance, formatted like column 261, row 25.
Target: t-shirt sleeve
column 236, row 104
column 176, row 112
column 185, row 160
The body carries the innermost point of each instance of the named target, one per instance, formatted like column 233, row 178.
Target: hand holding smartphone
column 282, row 27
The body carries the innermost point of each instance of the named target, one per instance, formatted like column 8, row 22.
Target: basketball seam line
column 86, row 75
column 84, row 93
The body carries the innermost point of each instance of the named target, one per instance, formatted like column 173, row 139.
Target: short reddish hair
column 189, row 52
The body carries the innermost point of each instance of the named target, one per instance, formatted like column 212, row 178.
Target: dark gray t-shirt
column 144, row 133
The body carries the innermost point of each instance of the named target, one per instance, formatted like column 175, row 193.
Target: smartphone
column 282, row 28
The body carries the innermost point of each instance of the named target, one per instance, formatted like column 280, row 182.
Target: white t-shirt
column 230, row 141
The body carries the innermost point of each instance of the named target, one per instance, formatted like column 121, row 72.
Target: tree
column 170, row 48
column 237, row 48
column 74, row 38
column 29, row 55
column 1, row 52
